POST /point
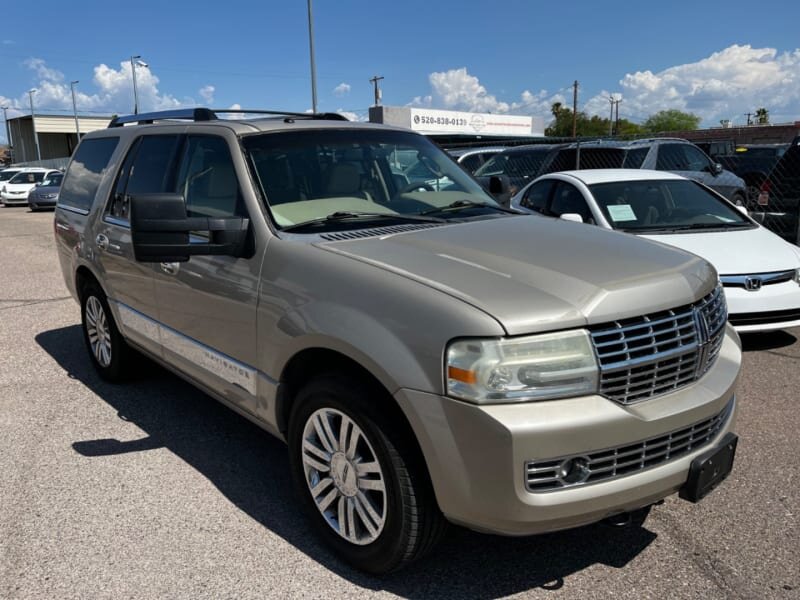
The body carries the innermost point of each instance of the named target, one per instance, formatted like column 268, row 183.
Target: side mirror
column 574, row 217
column 160, row 231
column 500, row 188
column 743, row 209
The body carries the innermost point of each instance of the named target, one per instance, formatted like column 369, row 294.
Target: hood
column 737, row 252
column 540, row 274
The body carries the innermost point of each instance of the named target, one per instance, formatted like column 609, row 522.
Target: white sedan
column 759, row 270
column 16, row 189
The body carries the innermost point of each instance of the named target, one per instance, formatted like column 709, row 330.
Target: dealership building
column 452, row 126
column 55, row 135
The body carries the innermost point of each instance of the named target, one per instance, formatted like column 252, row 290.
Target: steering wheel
column 415, row 186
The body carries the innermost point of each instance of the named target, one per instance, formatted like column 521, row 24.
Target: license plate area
column 710, row 469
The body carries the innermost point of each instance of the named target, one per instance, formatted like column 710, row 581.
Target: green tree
column 671, row 120
column 762, row 116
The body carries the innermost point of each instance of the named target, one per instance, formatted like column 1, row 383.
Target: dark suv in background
column 667, row 154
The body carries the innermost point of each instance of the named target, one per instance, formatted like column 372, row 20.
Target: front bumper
column 11, row 198
column 775, row 306
column 477, row 455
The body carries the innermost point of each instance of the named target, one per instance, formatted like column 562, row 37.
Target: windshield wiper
column 462, row 204
column 348, row 215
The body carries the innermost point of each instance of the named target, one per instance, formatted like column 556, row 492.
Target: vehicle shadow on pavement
column 250, row 468
column 768, row 340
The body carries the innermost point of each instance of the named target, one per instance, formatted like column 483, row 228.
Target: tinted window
column 681, row 157
column 119, row 204
column 635, row 158
column 207, row 179
column 568, row 199
column 514, row 164
column 536, row 196
column 472, row 162
column 86, row 171
column 151, row 171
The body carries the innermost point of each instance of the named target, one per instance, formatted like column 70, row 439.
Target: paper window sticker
column 621, row 212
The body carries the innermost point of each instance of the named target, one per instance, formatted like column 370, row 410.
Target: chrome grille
column 651, row 355
column 602, row 465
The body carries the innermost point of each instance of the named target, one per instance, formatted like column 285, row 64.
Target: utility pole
column 616, row 127
column 313, row 63
column 8, row 133
column 748, row 115
column 611, row 117
column 75, row 111
column 33, row 123
column 575, row 109
column 375, row 79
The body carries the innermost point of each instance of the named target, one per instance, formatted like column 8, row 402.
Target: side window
column 671, row 157
column 634, row 158
column 472, row 163
column 151, row 172
column 536, row 196
column 568, row 199
column 86, row 172
column 695, row 158
column 146, row 169
column 207, row 179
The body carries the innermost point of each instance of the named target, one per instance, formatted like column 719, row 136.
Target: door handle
column 170, row 268
column 101, row 241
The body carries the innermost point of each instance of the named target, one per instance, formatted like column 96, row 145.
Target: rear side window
column 85, row 172
column 151, row 171
column 635, row 158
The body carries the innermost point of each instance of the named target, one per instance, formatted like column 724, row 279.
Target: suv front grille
column 612, row 463
column 648, row 356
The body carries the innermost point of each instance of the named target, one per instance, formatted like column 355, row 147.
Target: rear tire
column 108, row 350
column 361, row 480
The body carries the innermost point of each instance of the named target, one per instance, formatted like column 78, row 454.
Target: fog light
column 574, row 470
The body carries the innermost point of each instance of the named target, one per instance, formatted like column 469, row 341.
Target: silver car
column 427, row 355
column 45, row 194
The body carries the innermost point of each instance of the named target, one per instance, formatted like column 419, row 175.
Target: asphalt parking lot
column 153, row 489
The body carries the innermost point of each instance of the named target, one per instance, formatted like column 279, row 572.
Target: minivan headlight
column 536, row 367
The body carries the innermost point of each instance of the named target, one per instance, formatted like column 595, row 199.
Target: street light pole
column 313, row 64
column 8, row 132
column 33, row 122
column 134, row 61
column 75, row 110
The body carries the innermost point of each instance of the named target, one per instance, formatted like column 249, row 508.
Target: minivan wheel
column 359, row 478
column 107, row 348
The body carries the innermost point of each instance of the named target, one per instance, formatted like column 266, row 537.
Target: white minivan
column 16, row 189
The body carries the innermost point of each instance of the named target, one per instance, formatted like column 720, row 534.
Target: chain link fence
column 767, row 183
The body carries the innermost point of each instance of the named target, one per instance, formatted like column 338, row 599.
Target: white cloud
column 353, row 116
column 207, row 93
column 342, row 89
column 725, row 85
column 458, row 90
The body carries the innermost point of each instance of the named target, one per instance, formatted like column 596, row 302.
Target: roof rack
column 208, row 114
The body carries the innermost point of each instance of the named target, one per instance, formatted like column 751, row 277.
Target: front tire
column 360, row 477
column 109, row 352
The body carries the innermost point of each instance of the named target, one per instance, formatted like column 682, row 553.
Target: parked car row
column 522, row 164
column 37, row 187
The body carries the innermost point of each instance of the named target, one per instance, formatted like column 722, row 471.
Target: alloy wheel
column 98, row 331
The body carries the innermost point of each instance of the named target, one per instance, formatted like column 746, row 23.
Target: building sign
column 425, row 120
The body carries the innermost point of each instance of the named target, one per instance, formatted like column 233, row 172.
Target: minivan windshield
column 348, row 178
column 27, row 177
column 665, row 206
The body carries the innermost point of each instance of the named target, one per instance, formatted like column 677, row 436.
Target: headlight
column 537, row 367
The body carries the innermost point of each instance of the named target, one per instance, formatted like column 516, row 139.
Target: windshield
column 6, row 175
column 514, row 164
column 311, row 175
column 30, row 177
column 54, row 179
column 670, row 205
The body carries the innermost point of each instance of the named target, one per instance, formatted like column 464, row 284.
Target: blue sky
column 716, row 59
